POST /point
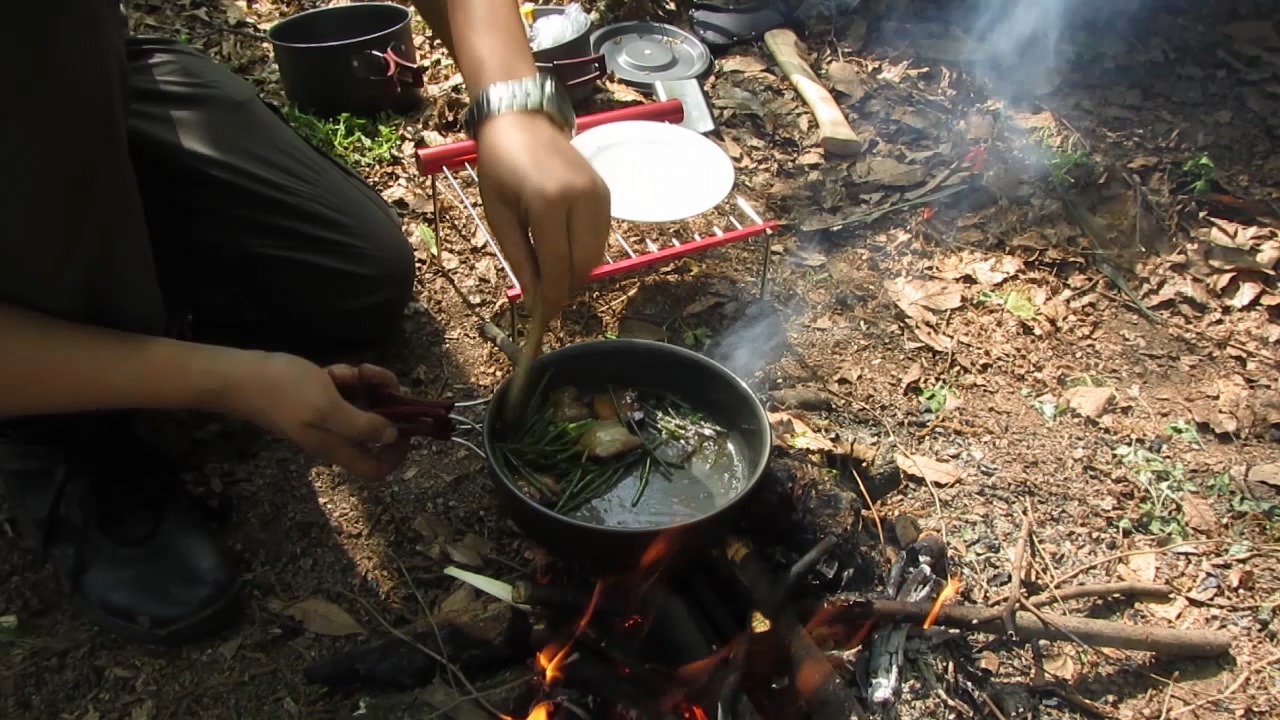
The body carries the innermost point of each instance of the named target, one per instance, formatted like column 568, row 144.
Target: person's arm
column 547, row 207
column 50, row 366
column 485, row 37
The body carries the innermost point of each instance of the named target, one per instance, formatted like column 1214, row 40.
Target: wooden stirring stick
column 531, row 349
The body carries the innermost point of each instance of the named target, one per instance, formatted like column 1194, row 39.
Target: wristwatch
column 541, row 92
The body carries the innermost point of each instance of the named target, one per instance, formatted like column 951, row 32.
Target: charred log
column 823, row 692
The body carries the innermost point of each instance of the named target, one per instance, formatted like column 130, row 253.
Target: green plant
column 1049, row 410
column 428, row 238
column 697, row 337
column 1018, row 302
column 1160, row 512
column 357, row 141
column 1062, row 163
column 1185, row 431
column 936, row 396
column 1220, row 485
column 1201, row 168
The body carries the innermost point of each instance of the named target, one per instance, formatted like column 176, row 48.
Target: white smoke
column 1017, row 45
column 752, row 343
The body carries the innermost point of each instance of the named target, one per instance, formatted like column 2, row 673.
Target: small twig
column 871, row 506
column 1095, row 632
column 1077, row 592
column 1072, row 574
column 1019, row 567
column 1244, row 675
column 495, row 335
column 1202, row 333
column 476, row 696
column 1168, row 694
column 1071, row 698
column 991, row 705
column 1040, row 563
column 937, row 505
column 426, row 651
column 426, row 610
column 802, row 566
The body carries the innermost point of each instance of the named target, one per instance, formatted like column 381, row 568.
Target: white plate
column 657, row 172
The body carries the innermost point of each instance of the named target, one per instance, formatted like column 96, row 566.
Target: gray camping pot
column 356, row 58
column 571, row 61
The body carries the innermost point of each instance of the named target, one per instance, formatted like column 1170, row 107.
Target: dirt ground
column 969, row 293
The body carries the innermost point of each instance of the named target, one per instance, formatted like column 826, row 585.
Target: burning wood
column 816, row 683
column 918, row 575
column 732, row 634
column 1097, row 633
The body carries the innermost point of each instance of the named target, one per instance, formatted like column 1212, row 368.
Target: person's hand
column 548, row 209
column 318, row 409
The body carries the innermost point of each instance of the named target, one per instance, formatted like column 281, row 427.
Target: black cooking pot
column 572, row 60
column 687, row 375
column 357, row 58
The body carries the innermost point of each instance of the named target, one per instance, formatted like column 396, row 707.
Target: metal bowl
column 693, row 378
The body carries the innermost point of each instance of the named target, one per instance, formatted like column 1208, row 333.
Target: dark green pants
column 146, row 184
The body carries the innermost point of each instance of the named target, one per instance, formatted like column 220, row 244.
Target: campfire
column 787, row 616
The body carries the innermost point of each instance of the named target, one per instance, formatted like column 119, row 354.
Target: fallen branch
column 1111, row 558
column 1077, row 592
column 1019, row 569
column 1096, row 633
column 502, row 341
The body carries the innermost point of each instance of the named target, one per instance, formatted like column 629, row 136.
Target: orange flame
column 948, row 592
column 692, row 712
column 659, row 550
column 552, row 666
column 541, row 711
column 697, row 673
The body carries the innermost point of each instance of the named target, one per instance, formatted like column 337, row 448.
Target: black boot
column 112, row 518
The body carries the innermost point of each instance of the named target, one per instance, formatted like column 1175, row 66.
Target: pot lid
column 645, row 53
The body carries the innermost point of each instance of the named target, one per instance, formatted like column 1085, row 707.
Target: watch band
column 541, row 92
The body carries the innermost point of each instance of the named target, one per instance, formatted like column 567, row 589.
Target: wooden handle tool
column 836, row 135
column 517, row 393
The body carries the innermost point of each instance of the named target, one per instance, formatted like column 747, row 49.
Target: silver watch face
column 539, row 93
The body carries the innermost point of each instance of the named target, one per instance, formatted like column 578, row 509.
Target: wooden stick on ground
column 502, row 341
column 1077, row 592
column 1096, row 633
column 1019, row 568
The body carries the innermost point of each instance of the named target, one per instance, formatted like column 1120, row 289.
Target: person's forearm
column 50, row 366
column 486, row 38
